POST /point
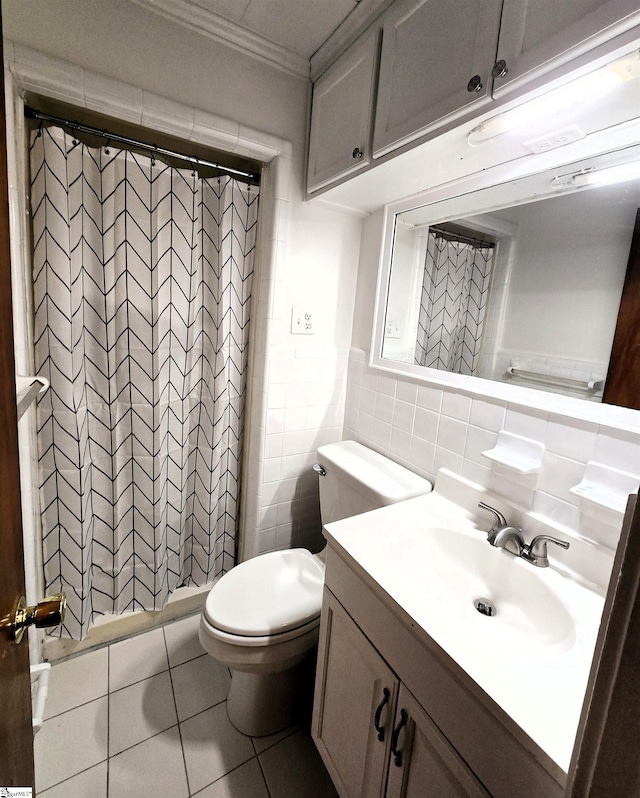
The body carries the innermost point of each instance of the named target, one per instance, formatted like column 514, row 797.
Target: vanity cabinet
column 342, row 115
column 375, row 738
column 383, row 690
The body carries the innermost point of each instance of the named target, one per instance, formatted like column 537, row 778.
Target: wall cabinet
column 373, row 735
column 441, row 60
column 342, row 115
column 436, row 62
column 534, row 41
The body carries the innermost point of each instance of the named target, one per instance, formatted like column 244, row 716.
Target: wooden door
column 436, row 62
column 355, row 696
column 423, row 763
column 16, row 735
column 622, row 386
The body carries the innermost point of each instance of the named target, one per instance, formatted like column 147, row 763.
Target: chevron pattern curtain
column 142, row 286
column 455, row 290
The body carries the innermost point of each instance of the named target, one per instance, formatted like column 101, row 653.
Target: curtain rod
column 450, row 235
column 32, row 113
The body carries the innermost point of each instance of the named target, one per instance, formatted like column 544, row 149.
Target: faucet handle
column 536, row 551
column 500, row 519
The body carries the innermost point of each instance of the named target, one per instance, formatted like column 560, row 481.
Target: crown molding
column 193, row 16
column 358, row 21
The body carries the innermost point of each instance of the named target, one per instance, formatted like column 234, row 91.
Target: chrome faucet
column 504, row 536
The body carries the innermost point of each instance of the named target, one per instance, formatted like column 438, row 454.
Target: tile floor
column 147, row 717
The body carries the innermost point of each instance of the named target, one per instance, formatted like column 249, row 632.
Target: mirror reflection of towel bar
column 593, row 386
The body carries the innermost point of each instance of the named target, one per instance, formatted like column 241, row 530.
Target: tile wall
column 305, row 409
column 426, row 428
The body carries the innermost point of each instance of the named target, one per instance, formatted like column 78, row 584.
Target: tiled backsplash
column 426, row 428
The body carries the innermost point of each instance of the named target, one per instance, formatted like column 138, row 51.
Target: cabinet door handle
column 386, row 695
column 357, row 153
column 475, row 84
column 397, row 755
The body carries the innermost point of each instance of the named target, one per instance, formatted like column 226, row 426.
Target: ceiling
column 300, row 36
column 299, row 26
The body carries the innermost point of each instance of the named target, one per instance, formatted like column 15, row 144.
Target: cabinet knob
column 475, row 84
column 500, row 69
column 357, row 153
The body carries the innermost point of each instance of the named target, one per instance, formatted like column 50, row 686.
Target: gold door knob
column 48, row 612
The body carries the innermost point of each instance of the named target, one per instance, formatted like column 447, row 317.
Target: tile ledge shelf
column 522, row 456
column 604, row 490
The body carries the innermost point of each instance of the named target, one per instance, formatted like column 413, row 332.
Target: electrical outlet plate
column 301, row 321
column 557, row 138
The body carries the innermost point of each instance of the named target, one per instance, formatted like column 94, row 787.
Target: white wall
column 571, row 256
column 304, row 394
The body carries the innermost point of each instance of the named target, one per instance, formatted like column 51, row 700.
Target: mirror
column 519, row 282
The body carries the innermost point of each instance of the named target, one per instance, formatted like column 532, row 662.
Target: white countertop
column 533, row 657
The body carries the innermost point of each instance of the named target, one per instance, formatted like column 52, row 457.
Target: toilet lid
column 267, row 595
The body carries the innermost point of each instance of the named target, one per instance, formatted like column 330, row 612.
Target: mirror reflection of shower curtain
column 142, row 286
column 453, row 302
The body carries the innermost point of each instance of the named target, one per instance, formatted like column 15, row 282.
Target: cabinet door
column 537, row 36
column 423, row 763
column 436, row 62
column 342, row 115
column 355, row 692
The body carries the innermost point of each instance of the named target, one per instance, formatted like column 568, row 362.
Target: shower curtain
column 142, row 288
column 455, row 289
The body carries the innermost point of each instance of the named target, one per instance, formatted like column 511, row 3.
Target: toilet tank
column 357, row 479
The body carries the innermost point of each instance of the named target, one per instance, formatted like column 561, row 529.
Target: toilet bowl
column 262, row 618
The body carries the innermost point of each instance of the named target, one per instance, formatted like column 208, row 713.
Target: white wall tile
column 452, row 434
column 571, row 438
column 618, row 449
column 487, row 413
column 429, row 398
column 403, row 415
column 457, row 405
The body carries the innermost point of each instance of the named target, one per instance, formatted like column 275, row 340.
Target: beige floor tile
column 182, row 640
column 70, row 743
column 76, row 681
column 137, row 658
column 140, row 711
column 246, row 781
column 293, row 767
column 92, row 783
column 151, row 769
column 212, row 747
column 199, row 684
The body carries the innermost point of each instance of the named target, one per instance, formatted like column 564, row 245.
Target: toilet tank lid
column 372, row 472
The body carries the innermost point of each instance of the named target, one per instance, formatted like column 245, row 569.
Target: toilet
column 262, row 618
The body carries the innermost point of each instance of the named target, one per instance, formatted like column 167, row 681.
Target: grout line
column 175, row 705
column 264, row 778
column 108, row 714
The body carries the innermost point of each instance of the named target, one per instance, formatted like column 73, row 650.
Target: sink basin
column 460, row 567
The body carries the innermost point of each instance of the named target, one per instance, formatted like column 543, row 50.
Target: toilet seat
column 268, row 599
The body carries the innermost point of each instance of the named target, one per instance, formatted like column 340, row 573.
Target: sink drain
column 484, row 606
